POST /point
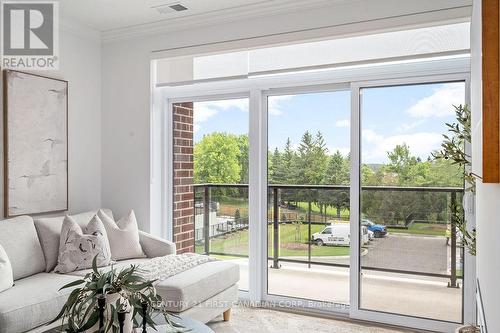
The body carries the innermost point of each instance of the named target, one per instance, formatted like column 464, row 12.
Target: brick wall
column 183, row 177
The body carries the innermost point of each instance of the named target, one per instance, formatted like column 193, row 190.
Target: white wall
column 126, row 80
column 80, row 64
column 488, row 195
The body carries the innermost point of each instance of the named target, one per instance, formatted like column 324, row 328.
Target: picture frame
column 35, row 125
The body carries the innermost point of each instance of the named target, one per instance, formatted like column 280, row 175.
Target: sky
column 412, row 114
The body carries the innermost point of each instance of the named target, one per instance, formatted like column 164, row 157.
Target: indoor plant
column 453, row 148
column 126, row 292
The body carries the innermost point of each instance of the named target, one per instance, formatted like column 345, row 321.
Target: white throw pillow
column 6, row 275
column 123, row 236
column 77, row 249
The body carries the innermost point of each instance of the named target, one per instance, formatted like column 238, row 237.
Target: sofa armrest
column 155, row 246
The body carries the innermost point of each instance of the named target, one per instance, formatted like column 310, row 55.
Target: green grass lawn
column 422, row 229
column 293, row 242
column 331, row 212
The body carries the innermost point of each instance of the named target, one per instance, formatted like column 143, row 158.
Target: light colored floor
column 387, row 292
column 257, row 320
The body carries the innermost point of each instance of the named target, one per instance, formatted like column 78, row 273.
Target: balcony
column 419, row 262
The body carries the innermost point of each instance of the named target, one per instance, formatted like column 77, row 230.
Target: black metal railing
column 395, row 207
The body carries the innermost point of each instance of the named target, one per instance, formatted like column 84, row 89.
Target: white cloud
column 274, row 106
column 342, row 123
column 421, row 144
column 409, row 126
column 371, row 136
column 440, row 103
column 203, row 111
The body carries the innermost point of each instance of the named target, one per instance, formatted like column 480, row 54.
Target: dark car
column 378, row 230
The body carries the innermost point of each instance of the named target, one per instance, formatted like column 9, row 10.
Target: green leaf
column 94, row 317
column 72, row 284
column 94, row 265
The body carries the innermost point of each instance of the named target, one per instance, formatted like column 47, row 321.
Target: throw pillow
column 123, row 236
column 77, row 248
column 6, row 275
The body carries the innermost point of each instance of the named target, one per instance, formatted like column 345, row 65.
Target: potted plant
column 103, row 300
column 468, row 329
column 453, row 148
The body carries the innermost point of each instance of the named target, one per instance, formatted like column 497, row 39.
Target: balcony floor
column 420, row 296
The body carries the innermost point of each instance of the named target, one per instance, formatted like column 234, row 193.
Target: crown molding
column 79, row 30
column 262, row 9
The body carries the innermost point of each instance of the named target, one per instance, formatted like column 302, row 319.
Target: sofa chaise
column 202, row 293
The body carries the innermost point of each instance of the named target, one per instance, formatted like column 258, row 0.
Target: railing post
column 276, row 230
column 206, row 218
column 453, row 243
column 309, row 234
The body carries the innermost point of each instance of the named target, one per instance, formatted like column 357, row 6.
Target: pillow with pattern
column 77, row 248
column 6, row 276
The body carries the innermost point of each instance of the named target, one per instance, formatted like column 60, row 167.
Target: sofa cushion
column 6, row 277
column 191, row 287
column 123, row 231
column 49, row 232
column 33, row 301
column 78, row 247
column 20, row 241
column 118, row 265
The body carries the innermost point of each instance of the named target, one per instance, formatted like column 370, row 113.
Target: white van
column 338, row 234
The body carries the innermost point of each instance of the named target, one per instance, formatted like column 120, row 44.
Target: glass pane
column 211, row 180
column 410, row 266
column 308, row 196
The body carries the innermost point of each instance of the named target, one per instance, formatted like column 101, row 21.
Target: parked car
column 371, row 235
column 214, row 205
column 377, row 229
column 338, row 234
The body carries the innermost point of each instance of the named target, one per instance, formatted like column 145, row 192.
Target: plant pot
column 467, row 329
column 111, row 300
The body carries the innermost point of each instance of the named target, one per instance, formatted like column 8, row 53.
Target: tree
column 401, row 162
column 284, row 166
column 217, row 159
column 312, row 159
column 277, row 174
column 337, row 173
column 337, row 170
column 243, row 159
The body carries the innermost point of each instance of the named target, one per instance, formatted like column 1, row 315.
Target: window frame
column 257, row 90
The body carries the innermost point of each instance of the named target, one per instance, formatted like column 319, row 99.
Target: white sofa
column 203, row 292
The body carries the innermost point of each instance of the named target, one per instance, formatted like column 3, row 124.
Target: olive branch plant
column 453, row 148
column 80, row 312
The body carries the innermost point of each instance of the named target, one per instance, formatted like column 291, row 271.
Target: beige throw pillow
column 123, row 236
column 77, row 248
column 6, row 275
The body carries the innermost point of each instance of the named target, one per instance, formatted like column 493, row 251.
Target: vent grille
column 167, row 9
column 178, row 7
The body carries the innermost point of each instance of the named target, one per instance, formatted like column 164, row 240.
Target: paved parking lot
column 425, row 254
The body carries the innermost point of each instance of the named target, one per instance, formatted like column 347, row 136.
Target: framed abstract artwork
column 35, row 144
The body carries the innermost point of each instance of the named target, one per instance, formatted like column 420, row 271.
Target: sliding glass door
column 329, row 197
column 409, row 199
column 308, row 195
